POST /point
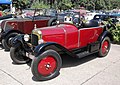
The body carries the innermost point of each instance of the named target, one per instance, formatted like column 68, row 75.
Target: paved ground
column 90, row 70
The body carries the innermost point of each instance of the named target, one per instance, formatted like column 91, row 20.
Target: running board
column 82, row 54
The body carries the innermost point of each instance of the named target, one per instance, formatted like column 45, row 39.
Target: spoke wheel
column 52, row 22
column 105, row 47
column 6, row 41
column 18, row 54
column 47, row 65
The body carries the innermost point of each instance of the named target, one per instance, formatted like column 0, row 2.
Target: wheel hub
column 9, row 40
column 105, row 47
column 47, row 65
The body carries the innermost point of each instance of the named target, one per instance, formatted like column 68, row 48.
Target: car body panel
column 65, row 35
column 24, row 25
column 53, row 34
column 70, row 36
column 89, row 35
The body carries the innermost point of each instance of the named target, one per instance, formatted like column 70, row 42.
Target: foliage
column 116, row 33
column 113, row 26
column 21, row 3
column 40, row 5
column 67, row 4
column 115, row 30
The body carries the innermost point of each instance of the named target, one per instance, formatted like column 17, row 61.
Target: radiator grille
column 34, row 39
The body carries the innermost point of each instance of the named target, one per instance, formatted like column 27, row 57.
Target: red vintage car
column 46, row 45
column 11, row 28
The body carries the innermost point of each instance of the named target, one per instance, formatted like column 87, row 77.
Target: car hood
column 58, row 29
column 53, row 30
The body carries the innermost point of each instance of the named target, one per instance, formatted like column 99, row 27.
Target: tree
column 68, row 4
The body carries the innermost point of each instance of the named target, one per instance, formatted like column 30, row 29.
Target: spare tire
column 52, row 21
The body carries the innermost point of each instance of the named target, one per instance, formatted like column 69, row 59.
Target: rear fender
column 104, row 34
column 51, row 45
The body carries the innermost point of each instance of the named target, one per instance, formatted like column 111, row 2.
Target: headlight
column 39, row 32
column 40, row 41
column 26, row 37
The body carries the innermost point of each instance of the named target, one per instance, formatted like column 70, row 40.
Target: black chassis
column 37, row 49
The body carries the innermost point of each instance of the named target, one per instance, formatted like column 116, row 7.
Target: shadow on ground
column 68, row 61
column 71, row 61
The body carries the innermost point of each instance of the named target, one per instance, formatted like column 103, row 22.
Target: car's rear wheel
column 6, row 41
column 47, row 65
column 18, row 54
column 104, row 47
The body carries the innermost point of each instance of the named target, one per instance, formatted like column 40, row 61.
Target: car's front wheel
column 104, row 47
column 7, row 39
column 18, row 54
column 47, row 65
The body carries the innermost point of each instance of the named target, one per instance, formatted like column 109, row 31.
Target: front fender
column 20, row 39
column 104, row 34
column 6, row 32
column 51, row 45
column 16, row 39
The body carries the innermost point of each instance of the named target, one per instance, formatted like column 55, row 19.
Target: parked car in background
column 90, row 15
column 46, row 45
column 103, row 17
column 19, row 25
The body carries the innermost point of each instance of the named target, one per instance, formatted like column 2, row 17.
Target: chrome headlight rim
column 26, row 37
column 40, row 41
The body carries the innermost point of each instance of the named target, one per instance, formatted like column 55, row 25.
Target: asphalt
column 90, row 70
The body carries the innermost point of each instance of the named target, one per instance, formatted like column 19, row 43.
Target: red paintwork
column 24, row 25
column 47, row 66
column 69, row 36
column 105, row 46
column 89, row 35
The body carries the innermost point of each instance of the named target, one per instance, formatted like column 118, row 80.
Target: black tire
column 6, row 41
column 101, row 52
column 52, row 22
column 17, row 54
column 38, row 59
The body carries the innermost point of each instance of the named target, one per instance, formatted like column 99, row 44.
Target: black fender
column 104, row 34
column 17, row 39
column 20, row 39
column 6, row 32
column 54, row 46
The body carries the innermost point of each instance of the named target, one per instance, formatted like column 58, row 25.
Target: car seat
column 91, row 23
